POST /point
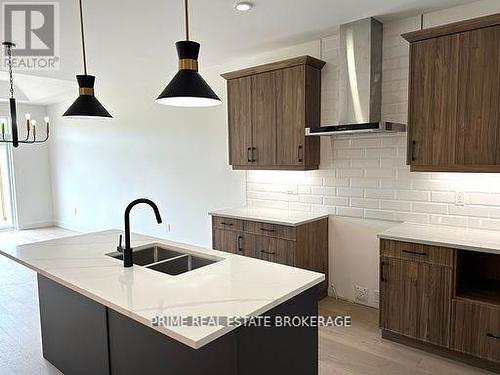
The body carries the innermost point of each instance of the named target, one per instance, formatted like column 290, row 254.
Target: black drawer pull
column 238, row 243
column 382, row 277
column 491, row 335
column 413, row 153
column 299, row 154
column 228, row 224
column 414, row 252
column 267, row 230
column 249, row 152
column 267, row 252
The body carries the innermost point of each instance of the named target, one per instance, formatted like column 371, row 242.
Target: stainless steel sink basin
column 172, row 262
column 149, row 254
column 181, row 265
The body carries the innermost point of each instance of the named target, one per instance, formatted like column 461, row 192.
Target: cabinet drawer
column 476, row 329
column 417, row 253
column 275, row 250
column 270, row 230
column 227, row 224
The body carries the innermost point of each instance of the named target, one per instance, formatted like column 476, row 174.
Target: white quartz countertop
column 485, row 241
column 235, row 286
column 267, row 215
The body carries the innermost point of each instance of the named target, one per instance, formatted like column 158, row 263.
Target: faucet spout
column 127, row 252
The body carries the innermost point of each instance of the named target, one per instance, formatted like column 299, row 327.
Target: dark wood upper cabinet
column 240, row 120
column 282, row 100
column 454, row 97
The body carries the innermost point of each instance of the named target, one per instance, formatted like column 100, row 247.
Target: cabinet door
column 476, row 330
column 233, row 242
column 275, row 250
column 479, row 98
column 432, row 133
column 239, row 93
column 290, row 116
column 264, row 119
column 415, row 300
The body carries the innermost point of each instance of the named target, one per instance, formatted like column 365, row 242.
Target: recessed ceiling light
column 243, row 6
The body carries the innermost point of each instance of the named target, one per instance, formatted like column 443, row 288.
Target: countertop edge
column 454, row 245
column 268, row 220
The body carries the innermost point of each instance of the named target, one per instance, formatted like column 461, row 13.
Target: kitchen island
column 98, row 317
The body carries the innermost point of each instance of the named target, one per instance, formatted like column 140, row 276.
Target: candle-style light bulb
column 46, row 119
column 34, row 129
column 28, row 116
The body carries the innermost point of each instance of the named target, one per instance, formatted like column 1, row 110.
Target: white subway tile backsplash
column 431, row 208
column 337, row 201
column 350, row 192
column 336, row 182
column 380, row 215
column 350, row 212
column 366, row 176
column 395, row 205
column 364, row 203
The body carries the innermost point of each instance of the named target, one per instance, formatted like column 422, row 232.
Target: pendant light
column 188, row 88
column 86, row 105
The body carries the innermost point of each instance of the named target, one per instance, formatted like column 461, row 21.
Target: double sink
column 172, row 262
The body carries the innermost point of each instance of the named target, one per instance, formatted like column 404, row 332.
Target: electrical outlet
column 460, row 198
column 361, row 294
column 375, row 297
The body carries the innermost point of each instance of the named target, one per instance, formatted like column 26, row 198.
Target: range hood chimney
column 360, row 81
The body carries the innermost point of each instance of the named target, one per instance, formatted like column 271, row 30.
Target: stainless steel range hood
column 360, row 81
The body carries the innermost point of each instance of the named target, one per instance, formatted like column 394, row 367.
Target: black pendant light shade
column 86, row 105
column 188, row 88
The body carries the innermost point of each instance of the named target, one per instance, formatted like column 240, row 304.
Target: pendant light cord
column 83, row 39
column 186, row 18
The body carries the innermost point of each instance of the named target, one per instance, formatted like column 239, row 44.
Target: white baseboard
column 35, row 225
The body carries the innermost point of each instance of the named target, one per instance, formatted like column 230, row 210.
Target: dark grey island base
column 81, row 336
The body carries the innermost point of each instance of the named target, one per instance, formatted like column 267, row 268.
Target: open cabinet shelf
column 478, row 277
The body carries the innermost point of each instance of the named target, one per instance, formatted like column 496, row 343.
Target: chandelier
column 31, row 136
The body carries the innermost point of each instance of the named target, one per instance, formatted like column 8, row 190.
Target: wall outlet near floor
column 460, row 198
column 375, row 297
column 361, row 294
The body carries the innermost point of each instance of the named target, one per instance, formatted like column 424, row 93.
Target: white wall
column 31, row 174
column 177, row 157
column 366, row 177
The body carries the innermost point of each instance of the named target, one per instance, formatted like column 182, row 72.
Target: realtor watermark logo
column 34, row 28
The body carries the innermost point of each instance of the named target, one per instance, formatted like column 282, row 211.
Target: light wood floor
column 357, row 350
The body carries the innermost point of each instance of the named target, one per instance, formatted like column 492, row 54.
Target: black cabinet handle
column 267, row 230
column 491, row 335
column 238, row 243
column 254, row 159
column 299, row 154
column 267, row 252
column 249, row 157
column 228, row 224
column 413, row 147
column 382, row 277
column 414, row 253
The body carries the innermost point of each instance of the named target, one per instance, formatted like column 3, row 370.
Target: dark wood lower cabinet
column 423, row 292
column 81, row 336
column 304, row 246
column 443, row 300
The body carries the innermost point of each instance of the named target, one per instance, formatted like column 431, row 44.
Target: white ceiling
column 117, row 28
